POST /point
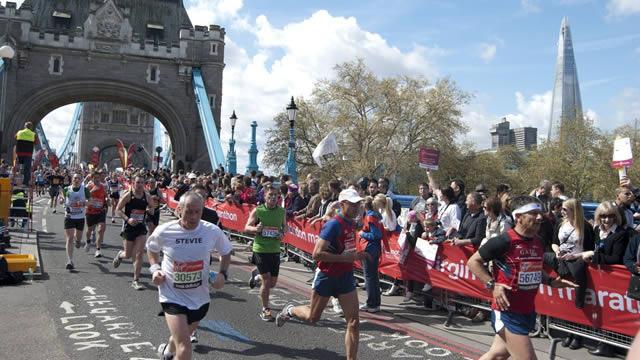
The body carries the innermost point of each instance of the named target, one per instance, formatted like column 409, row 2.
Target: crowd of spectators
column 437, row 214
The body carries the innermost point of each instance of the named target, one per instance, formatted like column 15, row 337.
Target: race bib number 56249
column 187, row 275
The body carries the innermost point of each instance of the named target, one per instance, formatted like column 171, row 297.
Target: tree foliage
column 380, row 123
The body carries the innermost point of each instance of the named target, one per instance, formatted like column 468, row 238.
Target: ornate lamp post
column 158, row 159
column 231, row 155
column 253, row 150
column 291, row 168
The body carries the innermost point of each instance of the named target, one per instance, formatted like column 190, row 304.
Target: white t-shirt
column 449, row 216
column 186, row 261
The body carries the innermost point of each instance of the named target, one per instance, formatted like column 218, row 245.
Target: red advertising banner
column 233, row 217
column 428, row 158
column 606, row 307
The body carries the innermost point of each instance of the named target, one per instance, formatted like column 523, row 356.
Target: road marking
column 68, row 307
column 89, row 289
column 224, row 331
column 44, row 225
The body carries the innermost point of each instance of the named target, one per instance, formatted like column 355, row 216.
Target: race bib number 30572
column 187, row 275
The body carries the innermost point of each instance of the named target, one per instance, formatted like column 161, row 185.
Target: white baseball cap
column 350, row 195
column 192, row 176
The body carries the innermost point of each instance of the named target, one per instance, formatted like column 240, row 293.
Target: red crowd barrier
column 606, row 307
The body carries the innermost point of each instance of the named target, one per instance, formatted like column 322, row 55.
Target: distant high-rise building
column 500, row 134
column 566, row 104
column 524, row 138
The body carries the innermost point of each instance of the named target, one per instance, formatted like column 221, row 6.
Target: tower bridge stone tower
column 138, row 53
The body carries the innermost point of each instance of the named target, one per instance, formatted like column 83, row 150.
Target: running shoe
column 87, row 246
column 113, row 221
column 117, row 260
column 162, row 355
column 266, row 315
column 283, row 316
column 336, row 307
column 252, row 281
column 69, row 266
column 98, row 254
column 393, row 290
column 54, row 211
column 407, row 297
column 136, row 285
column 372, row 310
column 78, row 244
column 194, row 338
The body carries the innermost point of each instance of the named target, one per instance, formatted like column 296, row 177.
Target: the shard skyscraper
column 566, row 104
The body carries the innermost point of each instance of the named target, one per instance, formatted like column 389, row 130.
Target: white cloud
column 627, row 105
column 488, row 52
column 530, row 6
column 207, row 12
column 620, row 8
column 56, row 125
column 534, row 112
column 288, row 61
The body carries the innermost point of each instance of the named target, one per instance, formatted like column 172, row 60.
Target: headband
column 526, row 208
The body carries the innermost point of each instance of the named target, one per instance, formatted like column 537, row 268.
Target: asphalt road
column 97, row 315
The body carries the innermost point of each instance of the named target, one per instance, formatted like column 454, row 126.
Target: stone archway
column 40, row 103
column 103, row 51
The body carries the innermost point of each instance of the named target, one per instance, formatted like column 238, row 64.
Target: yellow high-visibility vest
column 26, row 135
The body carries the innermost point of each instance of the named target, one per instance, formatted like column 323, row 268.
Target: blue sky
column 503, row 52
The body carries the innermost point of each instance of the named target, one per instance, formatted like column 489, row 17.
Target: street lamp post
column 6, row 53
column 158, row 152
column 291, row 168
column 231, row 155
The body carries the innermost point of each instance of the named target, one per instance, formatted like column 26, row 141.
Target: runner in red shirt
column 335, row 252
column 97, row 206
column 517, row 258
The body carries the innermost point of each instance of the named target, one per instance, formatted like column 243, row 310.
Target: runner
column 157, row 200
column 114, row 194
column 97, row 208
column 39, row 182
column 75, row 200
column 187, row 245
column 335, row 252
column 132, row 208
column 517, row 259
column 268, row 222
column 55, row 181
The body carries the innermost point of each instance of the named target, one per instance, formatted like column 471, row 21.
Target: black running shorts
column 267, row 263
column 94, row 219
column 192, row 315
column 77, row 224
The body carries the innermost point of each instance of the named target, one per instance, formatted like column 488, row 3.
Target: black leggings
column 577, row 269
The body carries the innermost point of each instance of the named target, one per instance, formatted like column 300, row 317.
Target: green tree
column 380, row 123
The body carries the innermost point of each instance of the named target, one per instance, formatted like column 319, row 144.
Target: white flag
column 328, row 145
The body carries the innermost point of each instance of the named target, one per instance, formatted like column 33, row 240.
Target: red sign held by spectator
column 428, row 158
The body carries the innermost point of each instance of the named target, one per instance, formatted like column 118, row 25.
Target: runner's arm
column 150, row 209
column 120, row 208
column 321, row 253
column 251, row 222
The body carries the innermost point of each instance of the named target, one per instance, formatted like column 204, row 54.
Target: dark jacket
column 473, row 227
column 631, row 254
column 610, row 250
